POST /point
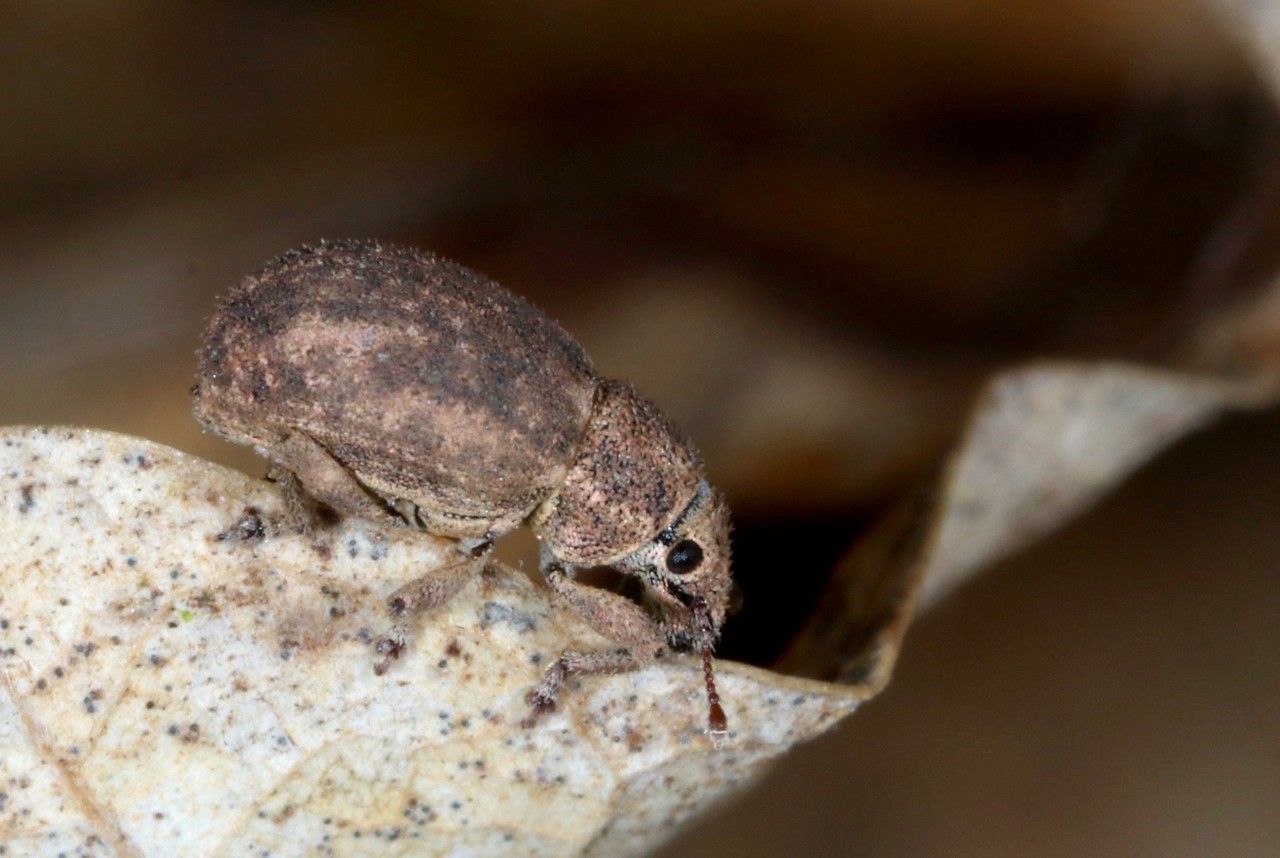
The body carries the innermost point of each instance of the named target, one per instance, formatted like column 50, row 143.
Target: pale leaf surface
column 166, row 690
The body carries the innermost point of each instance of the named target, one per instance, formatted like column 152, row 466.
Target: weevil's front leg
column 417, row 597
column 639, row 639
column 543, row 698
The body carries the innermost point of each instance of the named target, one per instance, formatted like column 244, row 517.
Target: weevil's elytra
column 397, row 386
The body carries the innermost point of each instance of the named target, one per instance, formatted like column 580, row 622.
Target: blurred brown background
column 808, row 231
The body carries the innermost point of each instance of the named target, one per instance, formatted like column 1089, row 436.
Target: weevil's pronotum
column 399, row 387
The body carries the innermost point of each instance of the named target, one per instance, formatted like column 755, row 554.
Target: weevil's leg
column 299, row 506
column 417, row 597
column 622, row 621
column 307, row 470
column 543, row 698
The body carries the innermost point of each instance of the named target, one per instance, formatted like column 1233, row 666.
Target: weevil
column 396, row 386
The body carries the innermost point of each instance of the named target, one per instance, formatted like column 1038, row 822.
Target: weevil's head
column 686, row 569
column 634, row 498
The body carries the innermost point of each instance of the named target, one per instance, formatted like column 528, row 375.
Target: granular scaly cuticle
column 398, row 387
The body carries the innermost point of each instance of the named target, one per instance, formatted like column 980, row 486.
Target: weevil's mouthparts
column 678, row 593
column 717, row 723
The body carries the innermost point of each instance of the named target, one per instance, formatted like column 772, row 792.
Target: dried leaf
column 1043, row 443
column 173, row 679
column 170, row 687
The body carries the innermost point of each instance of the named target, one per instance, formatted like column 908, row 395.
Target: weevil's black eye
column 684, row 557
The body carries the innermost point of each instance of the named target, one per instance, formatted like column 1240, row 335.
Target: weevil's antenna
column 717, row 723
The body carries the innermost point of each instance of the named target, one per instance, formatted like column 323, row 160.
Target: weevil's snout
column 696, row 572
column 698, row 564
column 686, row 569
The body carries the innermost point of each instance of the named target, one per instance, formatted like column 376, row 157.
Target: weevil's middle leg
column 417, row 597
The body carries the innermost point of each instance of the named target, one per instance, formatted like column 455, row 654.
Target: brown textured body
column 397, row 386
column 426, row 381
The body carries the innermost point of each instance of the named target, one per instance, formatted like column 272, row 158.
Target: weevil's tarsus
column 390, row 647
column 250, row 528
